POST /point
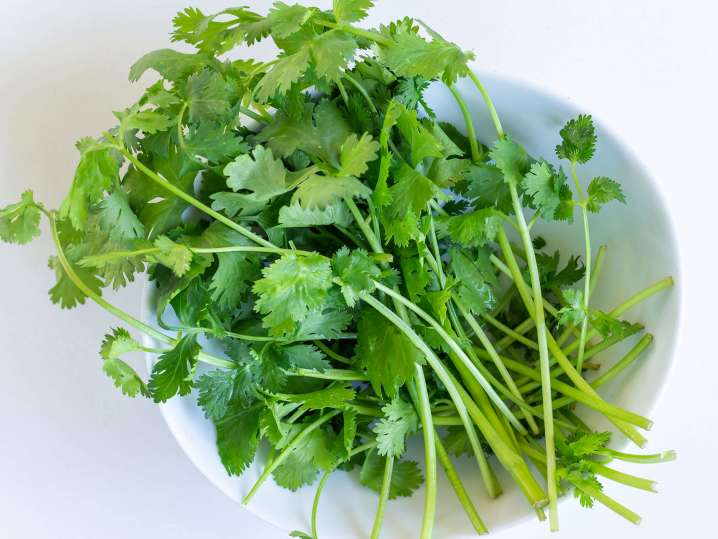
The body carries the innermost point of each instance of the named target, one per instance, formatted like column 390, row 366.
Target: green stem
column 666, row 456
column 383, row 496
column 315, row 505
column 331, row 374
column 463, row 497
column 624, row 478
column 501, row 405
column 359, row 32
column 612, row 504
column 122, row 315
column 362, row 91
column 513, row 334
column 331, row 353
column 489, row 104
column 296, row 441
column 587, row 276
column 365, row 228
column 421, row 395
column 256, row 117
column 470, row 131
column 541, row 332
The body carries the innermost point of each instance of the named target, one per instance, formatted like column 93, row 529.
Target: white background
column 79, row 461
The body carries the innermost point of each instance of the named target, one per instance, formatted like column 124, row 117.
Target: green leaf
column 285, row 134
column 351, row 10
column 610, row 327
column 65, row 293
column 238, row 438
column 578, row 140
column 410, row 91
column 171, row 65
column 385, row 353
column 260, row 176
column 335, row 396
column 331, row 52
column 473, row 229
column 405, row 478
column 416, row 276
column 421, row 142
column 287, row 19
column 410, row 194
column 207, row 96
column 116, row 216
column 391, row 431
column 173, row 255
column 448, row 172
column 216, row 390
column 511, row 159
column 487, row 186
column 356, row 270
column 116, row 344
column 549, row 192
column 20, row 222
column 294, row 474
column 213, row 142
column 322, row 191
column 473, row 288
column 295, row 216
column 97, row 172
column 172, row 374
column 290, row 288
column 356, row 154
column 602, row 190
column 286, row 71
column 575, row 312
column 305, row 356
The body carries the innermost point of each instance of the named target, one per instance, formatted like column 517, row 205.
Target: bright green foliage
column 473, row 288
column 285, row 72
column 171, row 65
column 391, row 431
column 98, row 170
column 20, row 222
column 207, row 96
column 238, row 438
column 125, row 377
column 172, row 374
column 405, row 478
column 173, row 255
column 290, row 288
column 578, row 140
column 65, row 293
column 602, row 190
column 473, row 229
column 411, row 193
column 610, row 327
column 356, row 271
column 116, row 216
column 421, row 141
column 511, row 159
column 351, row 10
column 213, row 142
column 216, row 391
column 549, row 191
column 575, row 310
column 575, row 465
column 356, row 153
column 332, row 397
column 331, row 52
column 385, row 353
column 295, row 216
column 322, row 191
column 260, row 175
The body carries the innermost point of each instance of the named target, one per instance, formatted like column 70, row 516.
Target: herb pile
column 368, row 268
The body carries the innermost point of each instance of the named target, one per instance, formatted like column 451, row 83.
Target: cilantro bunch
column 369, row 270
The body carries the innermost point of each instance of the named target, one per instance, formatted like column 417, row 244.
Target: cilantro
column 574, row 312
column 260, row 177
column 124, row 376
column 173, row 255
column 578, row 140
column 20, row 222
column 473, row 229
column 351, row 10
column 399, row 420
column 549, row 191
column 602, row 190
column 356, row 271
column 356, row 153
column 405, row 478
column 172, row 374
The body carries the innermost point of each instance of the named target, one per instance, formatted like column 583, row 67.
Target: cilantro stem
column 420, row 394
column 315, row 505
column 501, row 405
column 253, row 115
column 119, row 313
column 515, row 335
column 612, row 504
column 361, row 222
column 362, row 91
column 489, row 347
column 359, row 32
column 455, row 481
column 597, row 268
column 331, row 353
column 566, row 365
column 470, row 131
column 587, row 270
column 383, row 496
column 332, row 374
column 666, row 456
column 538, row 315
column 287, row 451
column 191, row 200
column 489, row 104
column 624, row 478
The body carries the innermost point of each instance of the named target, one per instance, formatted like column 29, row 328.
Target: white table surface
column 79, row 461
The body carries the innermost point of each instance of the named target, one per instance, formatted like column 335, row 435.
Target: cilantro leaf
column 331, row 52
column 170, row 64
column 356, row 270
column 260, row 176
column 238, row 438
column 305, row 356
column 511, row 159
column 602, row 190
column 20, row 222
column 216, row 390
column 473, row 229
column 578, row 140
column 549, row 192
column 290, row 288
column 610, row 327
column 117, row 217
column 125, row 377
column 295, row 215
column 335, row 396
column 173, row 255
column 410, row 194
column 351, row 10
column 207, row 96
column 487, row 186
column 421, row 142
column 172, row 374
column 287, row 19
column 575, row 312
column 405, row 478
column 286, row 71
column 474, row 289
column 385, row 353
column 97, row 171
column 65, row 292
column 213, row 142
column 356, row 153
column 322, row 191
column 391, row 431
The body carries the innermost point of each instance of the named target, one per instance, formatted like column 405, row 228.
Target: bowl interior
column 641, row 250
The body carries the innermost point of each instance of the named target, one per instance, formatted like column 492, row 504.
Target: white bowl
column 641, row 250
